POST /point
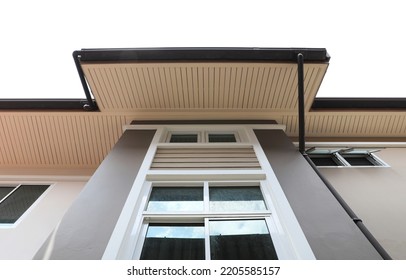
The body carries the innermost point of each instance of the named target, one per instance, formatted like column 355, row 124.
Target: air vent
column 205, row 158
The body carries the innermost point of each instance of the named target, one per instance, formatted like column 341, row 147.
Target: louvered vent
column 205, row 158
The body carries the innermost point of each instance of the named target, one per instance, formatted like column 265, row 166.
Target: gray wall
column 86, row 228
column 377, row 195
column 329, row 230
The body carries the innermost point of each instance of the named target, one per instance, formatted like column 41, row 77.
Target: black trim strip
column 42, row 104
column 359, row 103
column 203, row 54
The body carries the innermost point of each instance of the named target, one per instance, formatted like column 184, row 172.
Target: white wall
column 378, row 196
column 23, row 240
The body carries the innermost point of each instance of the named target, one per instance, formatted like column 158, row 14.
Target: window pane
column 19, row 201
column 174, row 242
column 183, row 138
column 241, row 240
column 359, row 160
column 222, row 138
column 236, row 199
column 165, row 199
column 4, row 191
column 324, row 160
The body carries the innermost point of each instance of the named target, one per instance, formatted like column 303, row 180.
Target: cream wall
column 378, row 196
column 24, row 239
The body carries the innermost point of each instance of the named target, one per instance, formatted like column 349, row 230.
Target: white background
column 365, row 38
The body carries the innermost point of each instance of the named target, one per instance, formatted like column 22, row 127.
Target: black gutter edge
column 91, row 104
column 42, row 104
column 203, row 122
column 320, row 103
column 203, row 54
column 382, row 252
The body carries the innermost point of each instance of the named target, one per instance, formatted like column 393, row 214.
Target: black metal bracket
column 91, row 103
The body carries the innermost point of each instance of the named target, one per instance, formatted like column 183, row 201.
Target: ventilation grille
column 205, row 158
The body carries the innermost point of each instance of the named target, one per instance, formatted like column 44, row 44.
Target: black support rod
column 300, row 87
column 91, row 104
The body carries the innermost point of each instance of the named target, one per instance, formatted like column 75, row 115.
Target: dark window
column 174, row 242
column 324, row 160
column 241, row 240
column 164, row 199
column 183, row 138
column 236, row 199
column 360, row 160
column 14, row 206
column 222, row 138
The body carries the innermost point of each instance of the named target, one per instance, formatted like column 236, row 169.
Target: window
column 222, row 138
column 15, row 201
column 344, row 157
column 207, row 221
column 241, row 239
column 183, row 138
column 202, row 137
column 174, row 242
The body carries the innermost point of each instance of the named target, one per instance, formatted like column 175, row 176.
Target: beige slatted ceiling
column 75, row 140
column 205, row 158
column 180, row 86
column 57, row 140
column 349, row 124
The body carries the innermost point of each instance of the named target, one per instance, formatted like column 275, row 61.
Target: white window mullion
column 206, row 197
column 207, row 238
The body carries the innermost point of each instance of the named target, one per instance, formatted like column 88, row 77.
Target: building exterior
column 203, row 154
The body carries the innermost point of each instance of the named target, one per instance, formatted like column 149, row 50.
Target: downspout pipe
column 382, row 252
column 300, row 87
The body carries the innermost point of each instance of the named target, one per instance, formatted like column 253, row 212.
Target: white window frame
column 15, row 186
column 283, row 248
column 339, row 155
column 202, row 135
column 286, row 233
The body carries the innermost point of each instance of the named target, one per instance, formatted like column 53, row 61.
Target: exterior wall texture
column 329, row 230
column 87, row 226
column 377, row 195
column 85, row 230
column 22, row 241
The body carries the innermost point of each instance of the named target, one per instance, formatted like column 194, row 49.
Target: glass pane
column 164, row 199
column 241, row 240
column 222, row 138
column 324, row 160
column 174, row 242
column 183, row 138
column 227, row 199
column 19, row 201
column 360, row 160
column 4, row 191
